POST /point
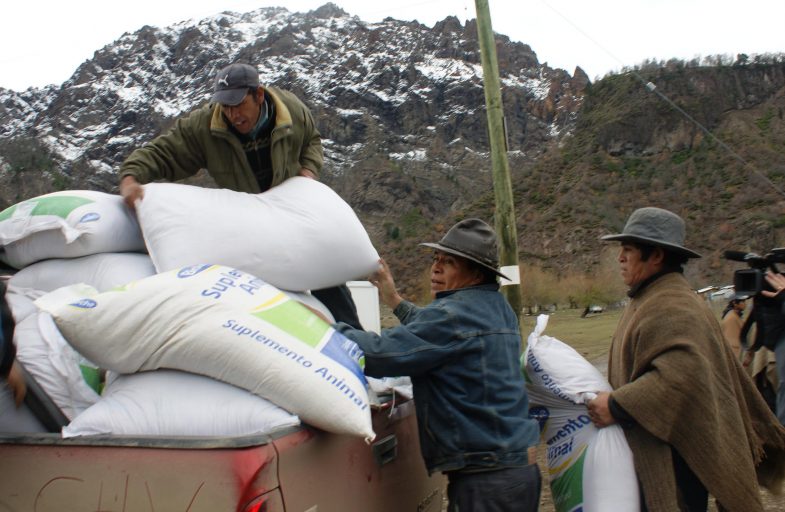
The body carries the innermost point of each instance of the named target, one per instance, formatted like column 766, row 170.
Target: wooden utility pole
column 502, row 187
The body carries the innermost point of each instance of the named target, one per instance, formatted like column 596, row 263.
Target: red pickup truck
column 293, row 470
column 289, row 469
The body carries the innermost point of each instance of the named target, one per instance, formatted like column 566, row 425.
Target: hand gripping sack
column 297, row 236
column 229, row 325
column 590, row 469
column 67, row 224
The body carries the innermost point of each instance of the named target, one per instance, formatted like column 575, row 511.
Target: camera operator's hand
column 777, row 281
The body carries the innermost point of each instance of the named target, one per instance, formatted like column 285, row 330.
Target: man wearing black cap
column 695, row 423
column 249, row 138
column 462, row 352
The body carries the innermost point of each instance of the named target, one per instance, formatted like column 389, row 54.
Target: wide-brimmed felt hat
column 655, row 226
column 474, row 240
column 232, row 83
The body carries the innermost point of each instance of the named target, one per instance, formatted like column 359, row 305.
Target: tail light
column 259, row 505
column 268, row 502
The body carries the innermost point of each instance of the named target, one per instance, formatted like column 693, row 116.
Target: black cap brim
column 230, row 97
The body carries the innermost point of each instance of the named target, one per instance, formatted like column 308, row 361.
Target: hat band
column 470, row 255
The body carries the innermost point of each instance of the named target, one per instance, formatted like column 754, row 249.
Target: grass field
column 590, row 336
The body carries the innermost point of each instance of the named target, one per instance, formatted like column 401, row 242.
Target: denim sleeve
column 425, row 341
column 404, row 311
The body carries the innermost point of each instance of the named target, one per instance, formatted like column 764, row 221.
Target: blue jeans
column 504, row 490
column 779, row 353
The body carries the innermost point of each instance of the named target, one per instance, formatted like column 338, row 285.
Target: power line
column 651, row 87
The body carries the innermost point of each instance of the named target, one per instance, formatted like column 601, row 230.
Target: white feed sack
column 173, row 403
column 227, row 324
column 22, row 301
column 102, row 271
column 590, row 469
column 67, row 224
column 60, row 371
column 297, row 236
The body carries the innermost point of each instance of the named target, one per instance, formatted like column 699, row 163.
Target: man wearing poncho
column 693, row 419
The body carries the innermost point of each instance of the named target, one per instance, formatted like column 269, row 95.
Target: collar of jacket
column 493, row 287
column 283, row 118
column 266, row 115
column 636, row 289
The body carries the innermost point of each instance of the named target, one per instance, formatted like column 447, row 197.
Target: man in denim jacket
column 461, row 352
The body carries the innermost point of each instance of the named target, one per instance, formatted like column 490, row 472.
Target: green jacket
column 202, row 140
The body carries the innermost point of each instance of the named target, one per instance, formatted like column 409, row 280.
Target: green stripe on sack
column 92, row 377
column 567, row 488
column 293, row 318
column 60, row 206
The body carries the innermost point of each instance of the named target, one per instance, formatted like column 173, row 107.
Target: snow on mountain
column 382, row 93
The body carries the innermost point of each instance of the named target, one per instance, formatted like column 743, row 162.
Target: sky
column 44, row 42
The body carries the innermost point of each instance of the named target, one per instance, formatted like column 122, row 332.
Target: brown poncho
column 673, row 372
column 732, row 324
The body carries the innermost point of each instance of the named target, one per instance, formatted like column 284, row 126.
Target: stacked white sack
column 21, row 301
column 67, row 224
column 102, row 271
column 56, row 366
column 70, row 380
column 220, row 322
column 173, row 403
column 297, row 236
column 590, row 469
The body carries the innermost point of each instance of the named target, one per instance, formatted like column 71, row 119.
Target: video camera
column 751, row 281
column 768, row 313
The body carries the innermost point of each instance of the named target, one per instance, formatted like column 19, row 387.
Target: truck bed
column 291, row 470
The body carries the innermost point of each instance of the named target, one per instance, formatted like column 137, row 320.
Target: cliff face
column 708, row 143
column 401, row 110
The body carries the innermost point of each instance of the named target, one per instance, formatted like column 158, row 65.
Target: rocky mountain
column 705, row 142
column 401, row 110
